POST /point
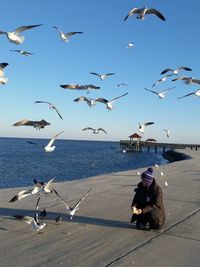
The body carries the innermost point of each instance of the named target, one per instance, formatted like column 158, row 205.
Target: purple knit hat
column 147, row 176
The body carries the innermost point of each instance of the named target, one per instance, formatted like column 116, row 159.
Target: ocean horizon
column 21, row 162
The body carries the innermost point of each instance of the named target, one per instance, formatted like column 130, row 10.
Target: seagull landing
column 48, row 147
column 161, row 94
column 102, row 76
column 37, row 226
column 175, row 71
column 109, row 102
column 187, row 80
column 143, row 125
column 95, row 130
column 65, row 36
column 73, row 210
column 91, row 102
column 51, row 106
column 14, row 36
column 196, row 93
column 163, row 79
column 141, row 12
column 167, row 132
column 24, row 53
column 36, row 124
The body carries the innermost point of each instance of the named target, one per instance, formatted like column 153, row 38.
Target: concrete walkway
column 100, row 233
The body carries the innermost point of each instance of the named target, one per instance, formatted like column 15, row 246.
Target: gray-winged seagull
column 160, row 94
column 36, row 124
column 22, row 52
column 143, row 125
column 187, row 80
column 95, row 130
column 196, row 93
column 109, row 103
column 175, row 71
column 141, row 12
column 65, row 36
column 102, row 76
column 51, row 106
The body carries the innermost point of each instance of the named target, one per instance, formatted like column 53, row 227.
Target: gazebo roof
column 135, row 135
column 151, row 140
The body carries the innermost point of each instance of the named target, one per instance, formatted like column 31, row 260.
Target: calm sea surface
column 21, row 162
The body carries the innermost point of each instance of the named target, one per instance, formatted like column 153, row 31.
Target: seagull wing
column 148, row 123
column 166, row 90
column 82, row 98
column 88, row 128
column 70, row 86
column 155, row 12
column 26, row 219
column 53, row 139
column 3, row 65
column 154, row 92
column 48, row 186
column 24, row 28
column 186, row 95
column 184, row 68
column 196, row 81
column 24, row 122
column 131, row 12
column 58, row 29
column 118, row 97
column 180, row 78
column 37, row 102
column 2, row 32
column 166, row 70
column 101, row 129
column 20, row 195
column 72, row 33
column 80, row 200
column 94, row 73
column 57, row 112
column 108, row 74
column 102, row 100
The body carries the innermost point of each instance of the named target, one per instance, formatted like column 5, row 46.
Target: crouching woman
column 147, row 205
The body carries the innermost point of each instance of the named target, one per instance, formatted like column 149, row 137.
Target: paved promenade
column 100, row 233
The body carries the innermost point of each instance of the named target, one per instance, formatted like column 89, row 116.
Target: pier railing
column 130, row 145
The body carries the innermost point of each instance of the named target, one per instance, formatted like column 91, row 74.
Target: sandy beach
column 100, row 233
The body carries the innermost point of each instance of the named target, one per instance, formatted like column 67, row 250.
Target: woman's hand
column 136, row 211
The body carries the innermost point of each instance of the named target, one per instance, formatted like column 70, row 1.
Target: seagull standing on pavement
column 175, row 71
column 102, row 76
column 95, row 130
column 143, row 125
column 196, row 93
column 14, row 36
column 51, row 106
column 49, row 147
column 109, row 102
column 65, row 36
column 160, row 94
column 141, row 12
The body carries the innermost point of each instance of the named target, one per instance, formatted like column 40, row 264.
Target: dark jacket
column 150, row 200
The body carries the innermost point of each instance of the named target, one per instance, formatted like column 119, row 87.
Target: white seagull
column 196, row 93
column 65, row 36
column 143, row 125
column 95, row 130
column 109, row 102
column 22, row 52
column 187, row 80
column 90, row 101
column 130, row 45
column 37, row 226
column 175, row 71
column 163, row 79
column 51, row 106
column 48, row 147
column 160, row 94
column 141, row 12
column 36, row 124
column 102, row 76
column 14, row 36
column 72, row 210
column 3, row 80
column 167, row 132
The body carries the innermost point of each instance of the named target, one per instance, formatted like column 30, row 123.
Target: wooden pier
column 135, row 146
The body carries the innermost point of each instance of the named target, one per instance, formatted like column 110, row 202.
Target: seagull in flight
column 22, row 52
column 163, row 79
column 36, row 225
column 90, row 101
column 39, row 187
column 109, row 102
column 187, row 80
column 102, row 76
column 175, row 71
column 48, row 147
column 196, row 93
column 95, row 130
column 72, row 210
column 167, row 132
column 160, row 94
column 122, row 84
column 51, row 106
column 143, row 125
column 141, row 12
column 36, row 124
column 3, row 80
column 65, row 36
column 14, row 36
column 130, row 45
column 80, row 87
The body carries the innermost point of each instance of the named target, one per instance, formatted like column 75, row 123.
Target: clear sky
column 102, row 48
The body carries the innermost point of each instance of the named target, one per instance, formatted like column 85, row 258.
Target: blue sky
column 102, row 49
